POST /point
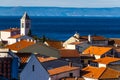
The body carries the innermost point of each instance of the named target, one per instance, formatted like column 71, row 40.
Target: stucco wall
column 70, row 46
column 11, row 41
column 102, row 65
column 5, row 35
column 89, row 78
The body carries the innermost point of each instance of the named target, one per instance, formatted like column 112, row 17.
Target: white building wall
column 89, row 78
column 102, row 65
column 76, row 73
column 70, row 40
column 70, row 46
column 11, row 41
column 5, row 35
column 97, row 56
column 39, row 72
column 4, row 54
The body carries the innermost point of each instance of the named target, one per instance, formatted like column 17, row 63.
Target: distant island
column 60, row 11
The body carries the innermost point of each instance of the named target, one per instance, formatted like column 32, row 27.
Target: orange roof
column 75, row 43
column 55, row 44
column 94, row 37
column 116, row 40
column 70, row 78
column 45, row 59
column 62, row 69
column 110, row 74
column 100, row 73
column 69, row 53
column 92, row 72
column 96, row 50
column 106, row 60
column 23, row 57
column 11, row 30
column 20, row 45
column 16, row 36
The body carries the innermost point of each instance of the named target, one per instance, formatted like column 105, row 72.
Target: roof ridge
column 102, row 72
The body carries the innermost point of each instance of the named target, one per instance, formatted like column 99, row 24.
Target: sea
column 61, row 28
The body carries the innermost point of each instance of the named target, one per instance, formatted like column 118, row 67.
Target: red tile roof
column 20, row 45
column 100, row 73
column 69, row 53
column 62, row 69
column 23, row 57
column 96, row 50
column 94, row 38
column 11, row 30
column 16, row 36
column 92, row 72
column 106, row 60
column 110, row 74
column 75, row 43
column 55, row 44
column 45, row 59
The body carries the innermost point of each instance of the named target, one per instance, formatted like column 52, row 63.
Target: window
column 71, row 74
column 27, row 25
column 33, row 68
column 22, row 25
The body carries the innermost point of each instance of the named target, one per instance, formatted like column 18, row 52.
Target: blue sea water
column 61, row 28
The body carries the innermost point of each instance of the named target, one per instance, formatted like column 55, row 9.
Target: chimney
column 34, row 41
column 89, row 38
column 18, row 40
column 31, row 40
column 27, row 40
column 70, row 64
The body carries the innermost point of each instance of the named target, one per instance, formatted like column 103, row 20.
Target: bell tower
column 25, row 24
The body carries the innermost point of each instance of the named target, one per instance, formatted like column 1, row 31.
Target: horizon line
column 59, row 7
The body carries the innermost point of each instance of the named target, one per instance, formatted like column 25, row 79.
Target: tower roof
column 25, row 16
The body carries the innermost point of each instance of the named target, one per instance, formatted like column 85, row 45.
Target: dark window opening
column 33, row 68
column 22, row 25
column 27, row 25
column 71, row 74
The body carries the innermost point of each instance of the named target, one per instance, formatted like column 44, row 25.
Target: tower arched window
column 22, row 25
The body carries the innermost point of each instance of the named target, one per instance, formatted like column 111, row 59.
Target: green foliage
column 30, row 33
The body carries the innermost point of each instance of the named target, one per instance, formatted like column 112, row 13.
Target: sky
column 62, row 3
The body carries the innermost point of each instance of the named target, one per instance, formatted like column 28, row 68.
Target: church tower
column 25, row 24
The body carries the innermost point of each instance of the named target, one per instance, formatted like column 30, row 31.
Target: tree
column 30, row 33
column 43, row 38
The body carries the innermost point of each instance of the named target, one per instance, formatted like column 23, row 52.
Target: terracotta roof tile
column 62, row 70
column 75, row 43
column 94, row 37
column 69, row 53
column 72, row 79
column 110, row 74
column 96, row 50
column 20, row 45
column 45, row 59
column 23, row 57
column 55, row 44
column 106, row 60
column 16, row 36
column 93, row 72
column 11, row 30
column 100, row 73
